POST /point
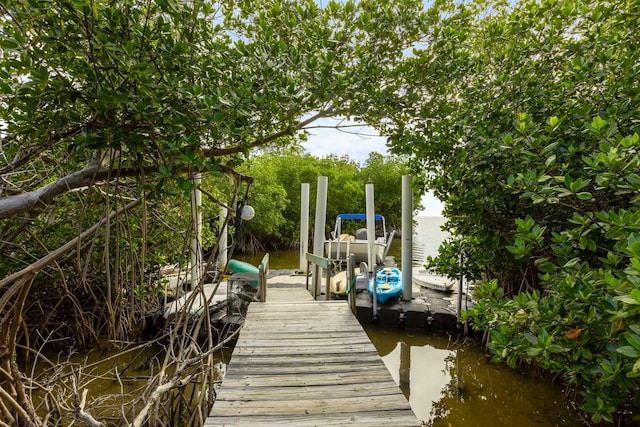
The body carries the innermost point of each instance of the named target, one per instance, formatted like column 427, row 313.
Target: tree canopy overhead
column 108, row 107
column 525, row 120
column 162, row 87
column 522, row 118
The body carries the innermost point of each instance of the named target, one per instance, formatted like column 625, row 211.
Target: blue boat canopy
column 361, row 216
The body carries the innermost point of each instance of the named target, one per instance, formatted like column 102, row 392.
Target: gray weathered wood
column 373, row 418
column 307, row 364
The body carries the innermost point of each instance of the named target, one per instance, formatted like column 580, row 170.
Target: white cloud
column 353, row 139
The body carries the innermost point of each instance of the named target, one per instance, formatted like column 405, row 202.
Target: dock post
column 371, row 224
column 318, row 235
column 407, row 237
column 304, row 227
column 374, row 307
column 351, row 262
column 327, row 284
column 222, row 245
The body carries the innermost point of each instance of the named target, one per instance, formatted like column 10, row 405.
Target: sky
column 356, row 141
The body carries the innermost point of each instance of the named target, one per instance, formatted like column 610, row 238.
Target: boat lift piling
column 371, row 224
column 374, row 310
column 304, row 227
column 407, row 237
column 371, row 241
column 318, row 235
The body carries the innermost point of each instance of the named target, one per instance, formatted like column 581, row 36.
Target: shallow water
column 451, row 384
column 96, row 371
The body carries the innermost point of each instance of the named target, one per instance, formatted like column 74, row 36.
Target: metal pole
column 371, row 225
column 222, row 246
column 304, row 227
column 407, row 237
column 318, row 235
column 375, row 291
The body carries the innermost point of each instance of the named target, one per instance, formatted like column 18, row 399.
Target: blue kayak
column 388, row 284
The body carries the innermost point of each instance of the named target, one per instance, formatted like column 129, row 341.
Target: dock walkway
column 302, row 362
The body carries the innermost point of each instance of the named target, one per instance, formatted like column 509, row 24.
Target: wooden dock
column 302, row 362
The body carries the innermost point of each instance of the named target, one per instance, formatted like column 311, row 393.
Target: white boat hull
column 426, row 279
column 339, row 250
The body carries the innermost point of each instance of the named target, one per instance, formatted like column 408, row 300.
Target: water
column 450, row 383
column 427, row 236
column 113, row 378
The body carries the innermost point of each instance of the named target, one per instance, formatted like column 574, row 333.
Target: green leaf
column 633, row 339
column 598, row 123
column 7, row 43
column 555, row 348
column 571, row 263
column 531, row 338
column 626, row 299
column 628, row 351
column 5, row 88
column 534, row 351
column 81, row 3
column 632, row 298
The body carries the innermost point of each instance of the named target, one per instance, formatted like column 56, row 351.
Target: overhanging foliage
column 526, row 121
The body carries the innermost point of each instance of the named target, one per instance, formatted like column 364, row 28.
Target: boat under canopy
column 342, row 244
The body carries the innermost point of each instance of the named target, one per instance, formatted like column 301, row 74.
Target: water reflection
column 449, row 384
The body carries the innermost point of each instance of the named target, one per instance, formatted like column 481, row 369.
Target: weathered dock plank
column 372, row 418
column 306, row 363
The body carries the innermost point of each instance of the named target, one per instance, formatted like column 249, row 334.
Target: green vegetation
column 523, row 118
column 107, row 110
column 526, row 122
column 276, row 192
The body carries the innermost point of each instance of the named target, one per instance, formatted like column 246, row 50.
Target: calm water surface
column 450, row 383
